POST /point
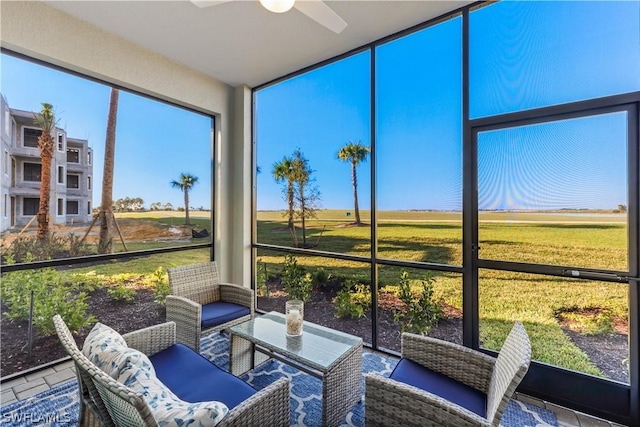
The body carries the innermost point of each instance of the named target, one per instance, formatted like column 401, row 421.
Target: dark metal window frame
column 608, row 399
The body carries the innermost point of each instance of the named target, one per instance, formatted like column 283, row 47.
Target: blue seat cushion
column 412, row 373
column 195, row 379
column 220, row 312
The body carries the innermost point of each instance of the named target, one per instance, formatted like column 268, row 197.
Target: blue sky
column 523, row 55
column 155, row 142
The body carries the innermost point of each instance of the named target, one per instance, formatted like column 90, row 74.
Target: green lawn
column 201, row 219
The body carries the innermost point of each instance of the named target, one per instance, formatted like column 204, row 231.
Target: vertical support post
column 30, row 327
column 374, row 204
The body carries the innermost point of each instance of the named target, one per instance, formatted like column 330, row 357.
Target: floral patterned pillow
column 108, row 351
column 168, row 409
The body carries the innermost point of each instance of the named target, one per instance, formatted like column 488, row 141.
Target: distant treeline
column 136, row 204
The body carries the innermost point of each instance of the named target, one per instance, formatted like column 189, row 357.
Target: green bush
column 52, row 247
column 160, row 282
column 353, row 300
column 321, row 278
column 50, row 297
column 76, row 246
column 297, row 284
column 419, row 313
column 86, row 281
column 262, row 290
column 120, row 292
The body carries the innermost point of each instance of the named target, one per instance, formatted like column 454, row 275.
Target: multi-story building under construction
column 21, row 170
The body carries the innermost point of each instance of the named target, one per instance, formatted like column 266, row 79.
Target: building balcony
column 28, row 152
column 25, row 190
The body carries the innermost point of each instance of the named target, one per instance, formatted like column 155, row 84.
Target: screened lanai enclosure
column 449, row 178
column 502, row 169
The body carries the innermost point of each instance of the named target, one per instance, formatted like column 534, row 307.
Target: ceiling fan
column 314, row 9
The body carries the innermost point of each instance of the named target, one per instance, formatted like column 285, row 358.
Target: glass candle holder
column 294, row 311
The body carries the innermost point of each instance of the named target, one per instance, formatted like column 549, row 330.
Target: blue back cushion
column 220, row 312
column 412, row 373
column 195, row 379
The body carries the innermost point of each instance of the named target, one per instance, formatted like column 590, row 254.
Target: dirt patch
column 353, row 224
column 609, row 351
column 141, row 230
column 131, row 229
column 585, row 319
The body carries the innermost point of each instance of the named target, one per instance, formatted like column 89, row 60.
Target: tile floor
column 32, row 383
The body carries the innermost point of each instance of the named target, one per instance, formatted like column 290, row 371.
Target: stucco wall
column 42, row 32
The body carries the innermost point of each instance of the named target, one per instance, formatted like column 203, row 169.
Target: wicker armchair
column 437, row 383
column 200, row 304
column 106, row 402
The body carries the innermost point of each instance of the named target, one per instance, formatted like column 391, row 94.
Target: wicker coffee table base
column 341, row 384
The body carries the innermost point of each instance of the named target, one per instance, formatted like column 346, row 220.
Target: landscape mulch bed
column 123, row 316
column 605, row 350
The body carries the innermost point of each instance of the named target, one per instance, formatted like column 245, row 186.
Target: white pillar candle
column 294, row 322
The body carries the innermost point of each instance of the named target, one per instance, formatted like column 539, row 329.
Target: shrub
column 87, row 281
column 76, row 246
column 419, row 313
column 321, row 278
column 297, row 284
column 50, row 297
column 262, row 290
column 120, row 292
column 53, row 246
column 353, row 300
column 160, row 282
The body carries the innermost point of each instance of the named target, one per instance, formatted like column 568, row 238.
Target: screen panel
column 419, row 145
column 555, row 192
column 313, row 159
column 526, row 55
column 575, row 324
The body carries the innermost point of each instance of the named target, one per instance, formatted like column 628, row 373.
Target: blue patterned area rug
column 306, row 391
column 58, row 407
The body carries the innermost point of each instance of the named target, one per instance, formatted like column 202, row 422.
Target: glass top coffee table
column 332, row 356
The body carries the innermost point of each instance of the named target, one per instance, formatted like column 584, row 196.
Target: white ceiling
column 240, row 42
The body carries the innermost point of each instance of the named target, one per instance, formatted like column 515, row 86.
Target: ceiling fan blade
column 323, row 14
column 207, row 3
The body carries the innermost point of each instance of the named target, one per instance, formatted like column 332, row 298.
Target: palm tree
column 306, row 193
column 186, row 182
column 106, row 205
column 284, row 171
column 45, row 120
column 355, row 153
